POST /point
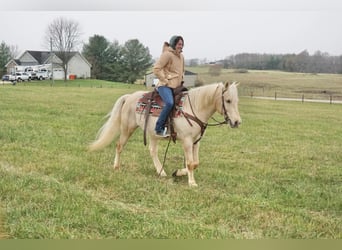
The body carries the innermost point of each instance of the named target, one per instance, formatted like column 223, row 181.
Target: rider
column 169, row 69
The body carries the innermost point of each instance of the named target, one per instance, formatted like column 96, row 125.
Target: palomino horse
column 199, row 105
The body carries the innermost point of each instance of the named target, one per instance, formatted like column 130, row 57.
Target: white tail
column 111, row 129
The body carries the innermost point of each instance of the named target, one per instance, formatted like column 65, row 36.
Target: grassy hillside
column 286, row 84
column 277, row 176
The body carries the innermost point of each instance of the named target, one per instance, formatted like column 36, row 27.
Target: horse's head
column 229, row 104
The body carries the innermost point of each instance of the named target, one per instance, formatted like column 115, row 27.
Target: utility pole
column 52, row 57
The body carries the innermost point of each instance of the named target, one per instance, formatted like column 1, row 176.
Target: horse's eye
column 228, row 101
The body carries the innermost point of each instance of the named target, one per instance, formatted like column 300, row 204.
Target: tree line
column 303, row 62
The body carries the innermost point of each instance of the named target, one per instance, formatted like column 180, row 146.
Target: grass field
column 277, row 176
column 283, row 84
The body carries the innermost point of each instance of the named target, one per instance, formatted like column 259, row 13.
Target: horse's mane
column 204, row 94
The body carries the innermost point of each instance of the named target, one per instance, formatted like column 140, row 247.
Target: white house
column 77, row 66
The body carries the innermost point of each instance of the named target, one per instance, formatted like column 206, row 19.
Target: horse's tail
column 111, row 128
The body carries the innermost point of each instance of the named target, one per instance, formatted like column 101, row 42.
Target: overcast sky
column 212, row 29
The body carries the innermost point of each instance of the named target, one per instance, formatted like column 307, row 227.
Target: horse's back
column 132, row 98
column 129, row 114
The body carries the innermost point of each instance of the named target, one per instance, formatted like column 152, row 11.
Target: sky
column 212, row 29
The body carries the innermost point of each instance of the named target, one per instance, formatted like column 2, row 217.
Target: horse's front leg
column 191, row 156
column 154, row 154
column 184, row 171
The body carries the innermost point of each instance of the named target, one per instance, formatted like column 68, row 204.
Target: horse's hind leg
column 154, row 154
column 124, row 136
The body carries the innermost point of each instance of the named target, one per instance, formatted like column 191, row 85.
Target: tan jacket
column 169, row 68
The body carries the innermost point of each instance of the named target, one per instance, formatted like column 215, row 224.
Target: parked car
column 22, row 76
column 10, row 78
column 6, row 77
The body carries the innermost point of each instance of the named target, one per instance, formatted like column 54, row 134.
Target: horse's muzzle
column 234, row 124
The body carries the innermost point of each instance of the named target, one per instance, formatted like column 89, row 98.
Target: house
column 77, row 65
column 189, row 79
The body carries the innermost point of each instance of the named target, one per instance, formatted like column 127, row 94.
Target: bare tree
column 14, row 51
column 63, row 37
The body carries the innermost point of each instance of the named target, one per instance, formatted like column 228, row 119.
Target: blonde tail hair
column 111, row 129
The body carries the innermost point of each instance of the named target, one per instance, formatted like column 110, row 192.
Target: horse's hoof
column 193, row 185
column 162, row 174
column 174, row 174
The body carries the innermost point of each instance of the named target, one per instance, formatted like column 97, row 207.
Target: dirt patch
column 5, row 82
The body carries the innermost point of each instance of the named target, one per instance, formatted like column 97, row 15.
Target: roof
column 40, row 56
column 15, row 61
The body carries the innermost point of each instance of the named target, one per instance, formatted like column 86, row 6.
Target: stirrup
column 163, row 133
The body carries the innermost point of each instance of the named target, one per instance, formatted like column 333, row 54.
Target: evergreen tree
column 113, row 62
column 95, row 53
column 136, row 59
column 5, row 56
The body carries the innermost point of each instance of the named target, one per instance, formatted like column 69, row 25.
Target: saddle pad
column 156, row 106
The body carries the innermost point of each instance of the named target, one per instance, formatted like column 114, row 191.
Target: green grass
column 277, row 176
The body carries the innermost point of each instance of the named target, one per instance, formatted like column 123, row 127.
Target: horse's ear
column 236, row 83
column 226, row 85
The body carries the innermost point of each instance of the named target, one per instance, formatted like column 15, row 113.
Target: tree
column 113, row 68
column 7, row 52
column 111, row 61
column 97, row 53
column 105, row 58
column 5, row 56
column 63, row 36
column 193, row 62
column 302, row 61
column 136, row 59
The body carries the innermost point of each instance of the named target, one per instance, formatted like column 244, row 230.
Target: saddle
column 151, row 104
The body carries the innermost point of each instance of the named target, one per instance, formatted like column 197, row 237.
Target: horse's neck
column 203, row 102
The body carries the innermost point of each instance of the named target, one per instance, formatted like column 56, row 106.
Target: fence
column 292, row 95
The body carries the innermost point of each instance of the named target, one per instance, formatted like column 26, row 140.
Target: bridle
column 225, row 113
column 203, row 125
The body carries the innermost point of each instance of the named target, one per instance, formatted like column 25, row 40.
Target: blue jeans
column 167, row 97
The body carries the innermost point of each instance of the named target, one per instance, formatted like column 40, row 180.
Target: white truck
column 22, row 76
column 37, row 72
column 42, row 75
